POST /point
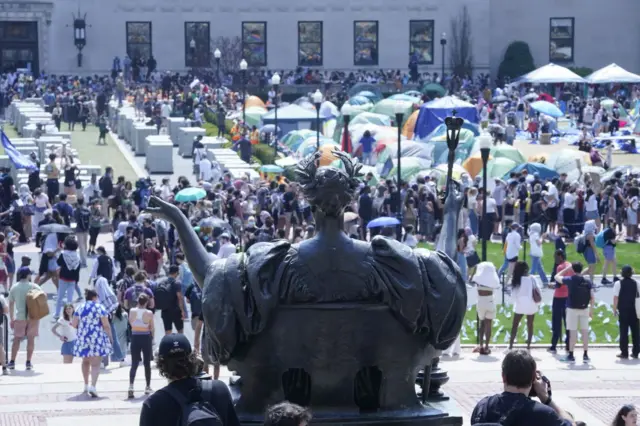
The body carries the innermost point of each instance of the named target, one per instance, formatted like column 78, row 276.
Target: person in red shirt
column 559, row 306
column 151, row 260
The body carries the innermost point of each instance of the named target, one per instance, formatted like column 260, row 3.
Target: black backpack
column 196, row 407
column 164, row 295
column 83, row 218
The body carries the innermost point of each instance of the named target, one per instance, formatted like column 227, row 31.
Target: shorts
column 67, row 348
column 10, row 264
column 171, row 318
column 590, row 256
column 609, row 252
column 552, row 214
column 27, row 328
column 486, row 307
column 578, row 319
column 591, row 215
column 513, row 259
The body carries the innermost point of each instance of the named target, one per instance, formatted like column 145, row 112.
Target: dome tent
column 291, row 117
column 433, row 113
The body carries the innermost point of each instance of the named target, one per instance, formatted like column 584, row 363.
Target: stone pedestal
column 187, row 134
column 130, row 121
column 175, row 123
column 159, row 154
column 140, row 133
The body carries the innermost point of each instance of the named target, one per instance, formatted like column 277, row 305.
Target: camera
column 532, row 392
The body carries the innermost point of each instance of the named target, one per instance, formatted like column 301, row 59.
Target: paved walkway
column 51, row 394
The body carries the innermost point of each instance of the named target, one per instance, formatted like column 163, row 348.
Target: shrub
column 263, row 153
column 517, row 61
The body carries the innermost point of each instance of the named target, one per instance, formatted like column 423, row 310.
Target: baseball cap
column 174, row 344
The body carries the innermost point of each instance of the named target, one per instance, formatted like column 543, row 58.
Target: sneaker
column 568, row 358
column 615, row 278
column 11, row 365
column 29, row 366
column 622, row 356
column 585, row 358
column 125, row 363
column 5, row 372
column 552, row 351
column 148, row 390
column 605, row 281
column 130, row 394
column 86, row 389
column 91, row 390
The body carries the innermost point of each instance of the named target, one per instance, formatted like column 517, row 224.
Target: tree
column 231, row 50
column 517, row 61
column 461, row 55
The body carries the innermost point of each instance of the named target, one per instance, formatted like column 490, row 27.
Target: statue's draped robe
column 423, row 289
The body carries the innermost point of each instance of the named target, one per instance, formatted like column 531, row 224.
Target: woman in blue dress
column 94, row 338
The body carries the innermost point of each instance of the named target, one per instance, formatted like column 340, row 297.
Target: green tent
column 434, row 88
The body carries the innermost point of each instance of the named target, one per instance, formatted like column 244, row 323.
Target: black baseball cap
column 174, row 344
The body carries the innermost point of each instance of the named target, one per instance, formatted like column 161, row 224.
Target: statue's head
column 329, row 189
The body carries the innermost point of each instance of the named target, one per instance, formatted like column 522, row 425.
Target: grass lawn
column 627, row 254
column 604, row 326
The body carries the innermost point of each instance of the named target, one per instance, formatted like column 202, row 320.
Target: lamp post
column 192, row 47
column 217, row 54
column 346, row 115
column 443, row 43
column 484, row 140
column 275, row 81
column 80, row 35
column 317, row 101
column 243, row 76
column 399, row 110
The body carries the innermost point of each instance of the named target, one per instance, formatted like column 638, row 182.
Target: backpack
column 581, row 244
column 37, row 305
column 600, row 239
column 196, row 410
column 83, row 219
column 137, row 291
column 164, row 295
column 581, row 294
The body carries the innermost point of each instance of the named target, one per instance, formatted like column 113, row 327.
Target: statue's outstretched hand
column 161, row 209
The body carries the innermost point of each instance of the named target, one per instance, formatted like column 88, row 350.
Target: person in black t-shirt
column 513, row 406
column 179, row 364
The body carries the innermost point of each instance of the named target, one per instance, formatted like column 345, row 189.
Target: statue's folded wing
column 239, row 295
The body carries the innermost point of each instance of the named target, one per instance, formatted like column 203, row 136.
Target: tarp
column 291, row 112
column 432, row 114
column 551, row 73
column 544, row 172
column 612, row 74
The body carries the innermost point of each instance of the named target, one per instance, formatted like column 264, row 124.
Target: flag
column 19, row 161
column 386, row 168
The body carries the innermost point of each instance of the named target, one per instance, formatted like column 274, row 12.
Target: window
column 139, row 44
column 421, row 41
column 365, row 43
column 310, row 43
column 19, row 31
column 197, row 39
column 561, row 38
column 254, row 43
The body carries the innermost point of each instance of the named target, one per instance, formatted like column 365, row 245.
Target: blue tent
column 291, row 117
column 433, row 113
column 544, row 172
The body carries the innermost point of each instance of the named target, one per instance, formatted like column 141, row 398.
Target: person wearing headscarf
column 535, row 239
column 69, row 263
column 590, row 254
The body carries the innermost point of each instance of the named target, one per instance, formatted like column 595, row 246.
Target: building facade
column 333, row 34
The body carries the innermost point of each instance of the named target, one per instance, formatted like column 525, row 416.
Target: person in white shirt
column 486, row 280
column 535, row 239
column 609, row 155
column 227, row 248
column 513, row 242
column 523, row 293
column 569, row 211
column 491, row 217
column 552, row 200
column 165, row 190
column 67, row 334
column 206, row 170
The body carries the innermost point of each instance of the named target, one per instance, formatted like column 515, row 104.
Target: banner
column 19, row 161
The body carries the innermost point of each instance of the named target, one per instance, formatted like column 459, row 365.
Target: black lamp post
column 275, row 81
column 243, row 76
column 443, row 43
column 317, row 101
column 346, row 115
column 217, row 55
column 485, row 147
column 192, row 47
column 399, row 117
column 80, row 35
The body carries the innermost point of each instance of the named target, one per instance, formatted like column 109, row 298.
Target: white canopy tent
column 551, row 73
column 612, row 74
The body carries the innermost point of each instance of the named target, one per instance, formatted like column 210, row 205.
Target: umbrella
column 56, row 228
column 406, row 98
column 545, row 97
column 271, row 168
column 269, row 128
column 413, row 93
column 349, row 216
column 508, row 151
column 565, row 160
column 190, row 194
column 530, row 97
column 253, row 115
column 286, row 162
column 547, row 108
column 381, row 222
column 576, row 173
column 434, row 88
column 499, row 99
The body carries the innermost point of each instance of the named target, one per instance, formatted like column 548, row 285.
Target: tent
column 544, row 172
column 433, row 113
column 366, row 87
column 612, row 74
column 410, row 124
column 551, row 73
column 291, row 117
column 254, row 101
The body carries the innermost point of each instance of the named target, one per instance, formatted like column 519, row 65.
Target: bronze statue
column 337, row 324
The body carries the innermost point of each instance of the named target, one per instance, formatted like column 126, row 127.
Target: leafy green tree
column 517, row 61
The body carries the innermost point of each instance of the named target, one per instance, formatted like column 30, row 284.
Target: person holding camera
column 514, row 406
